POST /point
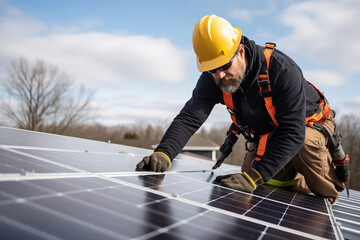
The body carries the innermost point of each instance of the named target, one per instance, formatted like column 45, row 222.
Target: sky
column 137, row 55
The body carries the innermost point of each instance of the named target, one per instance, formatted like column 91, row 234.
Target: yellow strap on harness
column 279, row 183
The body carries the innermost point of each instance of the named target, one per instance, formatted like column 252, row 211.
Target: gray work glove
column 246, row 181
column 157, row 162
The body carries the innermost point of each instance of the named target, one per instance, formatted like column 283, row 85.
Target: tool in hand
column 339, row 158
column 226, row 147
column 230, row 140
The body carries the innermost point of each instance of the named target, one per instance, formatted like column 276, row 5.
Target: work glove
column 246, row 181
column 342, row 170
column 157, row 162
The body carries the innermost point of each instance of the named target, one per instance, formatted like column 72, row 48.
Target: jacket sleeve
column 191, row 117
column 288, row 93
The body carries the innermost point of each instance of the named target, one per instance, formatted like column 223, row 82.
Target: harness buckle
column 232, row 112
column 270, row 45
column 264, row 87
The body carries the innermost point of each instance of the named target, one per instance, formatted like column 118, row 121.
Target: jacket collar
column 252, row 54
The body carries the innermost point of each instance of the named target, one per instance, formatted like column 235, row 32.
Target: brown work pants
column 311, row 166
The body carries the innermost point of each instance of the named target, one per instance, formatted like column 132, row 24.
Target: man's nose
column 221, row 74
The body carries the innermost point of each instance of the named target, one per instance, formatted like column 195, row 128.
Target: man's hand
column 246, row 181
column 157, row 162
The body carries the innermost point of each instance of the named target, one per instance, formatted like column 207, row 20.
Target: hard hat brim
column 222, row 59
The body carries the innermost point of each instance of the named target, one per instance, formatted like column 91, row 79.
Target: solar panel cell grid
column 313, row 227
column 347, row 213
column 16, row 163
column 96, row 194
column 310, row 202
column 269, row 210
column 18, row 137
column 273, row 233
column 90, row 162
column 234, row 202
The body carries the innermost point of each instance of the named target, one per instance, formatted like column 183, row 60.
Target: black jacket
column 294, row 99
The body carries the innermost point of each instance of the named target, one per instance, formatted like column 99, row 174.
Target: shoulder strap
column 323, row 111
column 264, row 89
column 265, row 92
column 264, row 84
column 228, row 100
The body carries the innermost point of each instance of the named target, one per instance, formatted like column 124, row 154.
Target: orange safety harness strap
column 264, row 85
column 229, row 103
column 261, row 146
column 265, row 90
column 321, row 114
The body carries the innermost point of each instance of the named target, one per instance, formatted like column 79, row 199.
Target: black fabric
column 294, row 99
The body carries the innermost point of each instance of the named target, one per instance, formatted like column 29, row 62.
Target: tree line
column 41, row 98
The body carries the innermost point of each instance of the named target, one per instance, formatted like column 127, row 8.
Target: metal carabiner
column 232, row 112
column 248, row 148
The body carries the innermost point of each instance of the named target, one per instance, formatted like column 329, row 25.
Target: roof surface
column 58, row 187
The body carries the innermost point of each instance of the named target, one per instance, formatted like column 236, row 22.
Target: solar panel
column 347, row 214
column 58, row 187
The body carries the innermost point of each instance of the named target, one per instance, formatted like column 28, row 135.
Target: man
column 289, row 143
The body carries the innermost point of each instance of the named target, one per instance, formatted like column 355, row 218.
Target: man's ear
column 241, row 49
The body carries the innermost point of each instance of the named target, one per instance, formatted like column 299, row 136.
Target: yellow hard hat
column 214, row 41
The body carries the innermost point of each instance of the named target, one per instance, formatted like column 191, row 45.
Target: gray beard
column 231, row 87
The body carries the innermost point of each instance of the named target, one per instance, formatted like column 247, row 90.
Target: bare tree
column 350, row 127
column 40, row 96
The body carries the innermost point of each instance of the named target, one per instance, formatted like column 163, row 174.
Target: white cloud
column 353, row 103
column 246, row 15
column 116, row 65
column 324, row 32
column 349, row 106
column 92, row 57
column 326, row 78
column 136, row 109
column 240, row 14
column 15, row 25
